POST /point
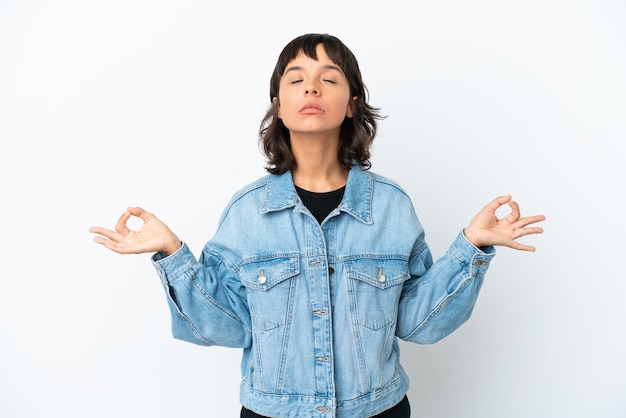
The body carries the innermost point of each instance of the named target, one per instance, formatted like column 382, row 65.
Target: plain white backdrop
column 157, row 103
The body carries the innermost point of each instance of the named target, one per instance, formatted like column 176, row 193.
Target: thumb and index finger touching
column 121, row 225
column 515, row 214
column 498, row 202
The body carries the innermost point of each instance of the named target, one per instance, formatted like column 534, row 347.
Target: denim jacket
column 318, row 309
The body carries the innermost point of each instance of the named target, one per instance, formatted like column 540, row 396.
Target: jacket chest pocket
column 374, row 286
column 270, row 284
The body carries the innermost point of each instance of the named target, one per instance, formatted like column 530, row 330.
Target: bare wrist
column 173, row 246
column 469, row 235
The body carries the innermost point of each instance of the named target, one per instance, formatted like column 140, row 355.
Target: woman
column 319, row 267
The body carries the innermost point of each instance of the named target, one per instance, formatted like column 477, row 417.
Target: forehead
column 321, row 58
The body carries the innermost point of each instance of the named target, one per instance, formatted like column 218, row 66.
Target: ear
column 276, row 104
column 350, row 109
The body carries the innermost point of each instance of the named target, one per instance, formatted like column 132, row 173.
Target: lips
column 311, row 109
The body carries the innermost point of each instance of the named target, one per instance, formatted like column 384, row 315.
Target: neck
column 317, row 168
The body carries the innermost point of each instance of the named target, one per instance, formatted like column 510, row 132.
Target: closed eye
column 296, row 81
column 330, row 81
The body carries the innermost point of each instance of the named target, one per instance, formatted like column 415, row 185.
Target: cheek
column 282, row 105
column 286, row 107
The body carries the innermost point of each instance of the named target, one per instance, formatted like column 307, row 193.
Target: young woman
column 319, row 267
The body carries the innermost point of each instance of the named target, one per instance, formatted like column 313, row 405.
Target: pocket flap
column 267, row 273
column 379, row 272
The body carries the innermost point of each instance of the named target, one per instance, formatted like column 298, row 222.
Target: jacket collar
column 357, row 199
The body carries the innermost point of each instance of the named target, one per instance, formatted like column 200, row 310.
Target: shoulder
column 250, row 189
column 387, row 184
column 387, row 193
column 247, row 196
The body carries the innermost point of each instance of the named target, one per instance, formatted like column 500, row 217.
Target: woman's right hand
column 153, row 236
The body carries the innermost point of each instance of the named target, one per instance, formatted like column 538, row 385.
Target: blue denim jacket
column 318, row 309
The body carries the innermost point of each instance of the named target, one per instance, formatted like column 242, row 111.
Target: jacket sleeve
column 440, row 297
column 206, row 299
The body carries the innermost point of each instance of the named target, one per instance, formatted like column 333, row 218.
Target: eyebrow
column 326, row 67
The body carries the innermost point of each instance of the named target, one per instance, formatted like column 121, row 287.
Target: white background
column 105, row 104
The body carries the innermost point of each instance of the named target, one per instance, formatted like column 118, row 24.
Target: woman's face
column 314, row 95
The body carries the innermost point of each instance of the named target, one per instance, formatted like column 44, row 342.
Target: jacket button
column 262, row 279
column 479, row 263
column 330, row 270
column 323, row 408
column 381, row 277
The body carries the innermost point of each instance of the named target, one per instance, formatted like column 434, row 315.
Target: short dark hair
column 357, row 133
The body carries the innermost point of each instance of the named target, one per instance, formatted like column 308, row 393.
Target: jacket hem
column 319, row 406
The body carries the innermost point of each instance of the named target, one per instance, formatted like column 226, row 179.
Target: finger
column 99, row 230
column 529, row 220
column 142, row 214
column 518, row 245
column 496, row 203
column 95, row 229
column 107, row 233
column 515, row 213
column 117, row 247
column 120, row 226
column 522, row 247
column 527, row 231
column 100, row 240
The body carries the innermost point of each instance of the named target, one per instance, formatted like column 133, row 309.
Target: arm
column 441, row 296
column 206, row 300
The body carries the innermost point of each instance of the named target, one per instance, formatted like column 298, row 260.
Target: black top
column 401, row 410
column 321, row 204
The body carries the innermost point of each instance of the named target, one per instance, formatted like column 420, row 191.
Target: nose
column 312, row 88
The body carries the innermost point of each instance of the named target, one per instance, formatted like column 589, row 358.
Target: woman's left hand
column 486, row 229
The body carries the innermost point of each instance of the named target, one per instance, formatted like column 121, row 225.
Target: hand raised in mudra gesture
column 153, row 236
column 486, row 229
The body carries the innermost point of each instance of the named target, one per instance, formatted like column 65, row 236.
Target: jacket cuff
column 173, row 267
column 466, row 252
